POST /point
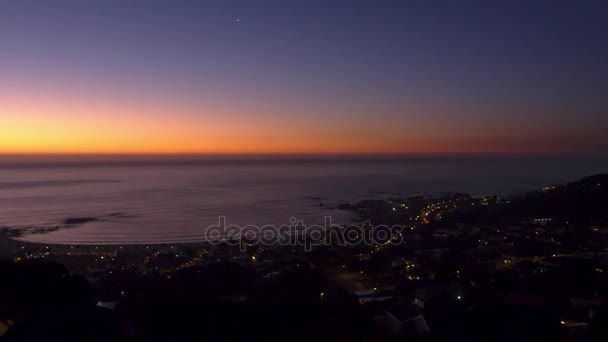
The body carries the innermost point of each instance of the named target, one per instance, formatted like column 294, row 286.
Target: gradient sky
column 303, row 76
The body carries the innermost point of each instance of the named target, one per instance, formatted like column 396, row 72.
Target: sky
column 352, row 77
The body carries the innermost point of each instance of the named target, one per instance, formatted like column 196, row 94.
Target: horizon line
column 298, row 154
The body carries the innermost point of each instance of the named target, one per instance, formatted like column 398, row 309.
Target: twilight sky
column 304, row 76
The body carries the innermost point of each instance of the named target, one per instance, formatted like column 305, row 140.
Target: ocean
column 174, row 199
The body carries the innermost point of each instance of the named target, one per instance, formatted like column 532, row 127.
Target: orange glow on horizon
column 58, row 126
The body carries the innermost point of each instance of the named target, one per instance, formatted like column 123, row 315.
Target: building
column 404, row 318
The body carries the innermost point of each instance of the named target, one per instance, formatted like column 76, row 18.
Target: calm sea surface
column 149, row 200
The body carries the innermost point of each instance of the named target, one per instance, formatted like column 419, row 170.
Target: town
column 527, row 267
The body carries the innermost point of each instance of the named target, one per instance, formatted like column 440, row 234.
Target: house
column 373, row 295
column 110, row 305
column 404, row 318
